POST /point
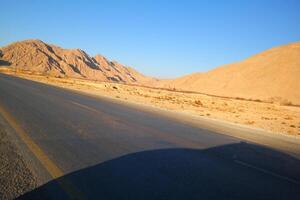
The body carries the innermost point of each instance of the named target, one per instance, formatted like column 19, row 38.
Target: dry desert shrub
column 280, row 101
column 288, row 118
column 146, row 95
column 168, row 98
column 286, row 103
column 240, row 110
column 198, row 103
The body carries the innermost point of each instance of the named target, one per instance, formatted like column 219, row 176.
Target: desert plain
column 274, row 117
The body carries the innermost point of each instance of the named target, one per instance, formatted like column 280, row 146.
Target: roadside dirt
column 15, row 177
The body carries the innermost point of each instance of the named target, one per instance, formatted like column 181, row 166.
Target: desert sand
column 271, row 76
column 275, row 118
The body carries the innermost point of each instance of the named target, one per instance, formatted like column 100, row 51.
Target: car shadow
column 233, row 171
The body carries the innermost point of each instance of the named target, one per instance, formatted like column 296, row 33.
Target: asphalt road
column 94, row 148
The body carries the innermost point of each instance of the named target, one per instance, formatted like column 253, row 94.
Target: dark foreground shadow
column 4, row 63
column 236, row 171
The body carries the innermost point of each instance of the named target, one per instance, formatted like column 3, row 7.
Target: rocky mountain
column 39, row 57
column 273, row 75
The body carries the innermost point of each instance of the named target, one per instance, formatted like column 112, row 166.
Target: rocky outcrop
column 37, row 56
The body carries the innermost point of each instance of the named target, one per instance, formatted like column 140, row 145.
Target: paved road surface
column 92, row 148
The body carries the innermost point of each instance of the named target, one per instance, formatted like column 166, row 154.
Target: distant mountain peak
column 37, row 56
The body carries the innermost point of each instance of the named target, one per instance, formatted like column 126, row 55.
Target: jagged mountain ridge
column 37, row 56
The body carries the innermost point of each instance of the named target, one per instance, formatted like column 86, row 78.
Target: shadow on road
column 223, row 172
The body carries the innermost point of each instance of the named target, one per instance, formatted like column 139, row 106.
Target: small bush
column 280, row 101
column 198, row 103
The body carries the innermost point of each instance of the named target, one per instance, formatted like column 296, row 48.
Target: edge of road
column 42, row 168
column 17, row 174
column 37, row 170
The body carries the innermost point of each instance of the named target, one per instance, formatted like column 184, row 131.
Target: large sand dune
column 273, row 75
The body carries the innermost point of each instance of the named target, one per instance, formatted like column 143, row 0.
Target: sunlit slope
column 271, row 75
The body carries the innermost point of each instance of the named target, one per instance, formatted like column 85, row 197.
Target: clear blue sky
column 159, row 38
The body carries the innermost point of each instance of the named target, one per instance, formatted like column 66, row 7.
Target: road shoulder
column 16, row 177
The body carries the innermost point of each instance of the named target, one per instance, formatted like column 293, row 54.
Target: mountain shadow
column 234, row 171
column 4, row 63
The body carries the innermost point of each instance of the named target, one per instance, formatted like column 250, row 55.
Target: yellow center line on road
column 47, row 163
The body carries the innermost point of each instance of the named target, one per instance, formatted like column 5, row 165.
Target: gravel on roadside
column 15, row 177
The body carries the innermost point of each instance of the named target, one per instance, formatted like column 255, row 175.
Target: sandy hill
column 273, row 75
column 37, row 56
